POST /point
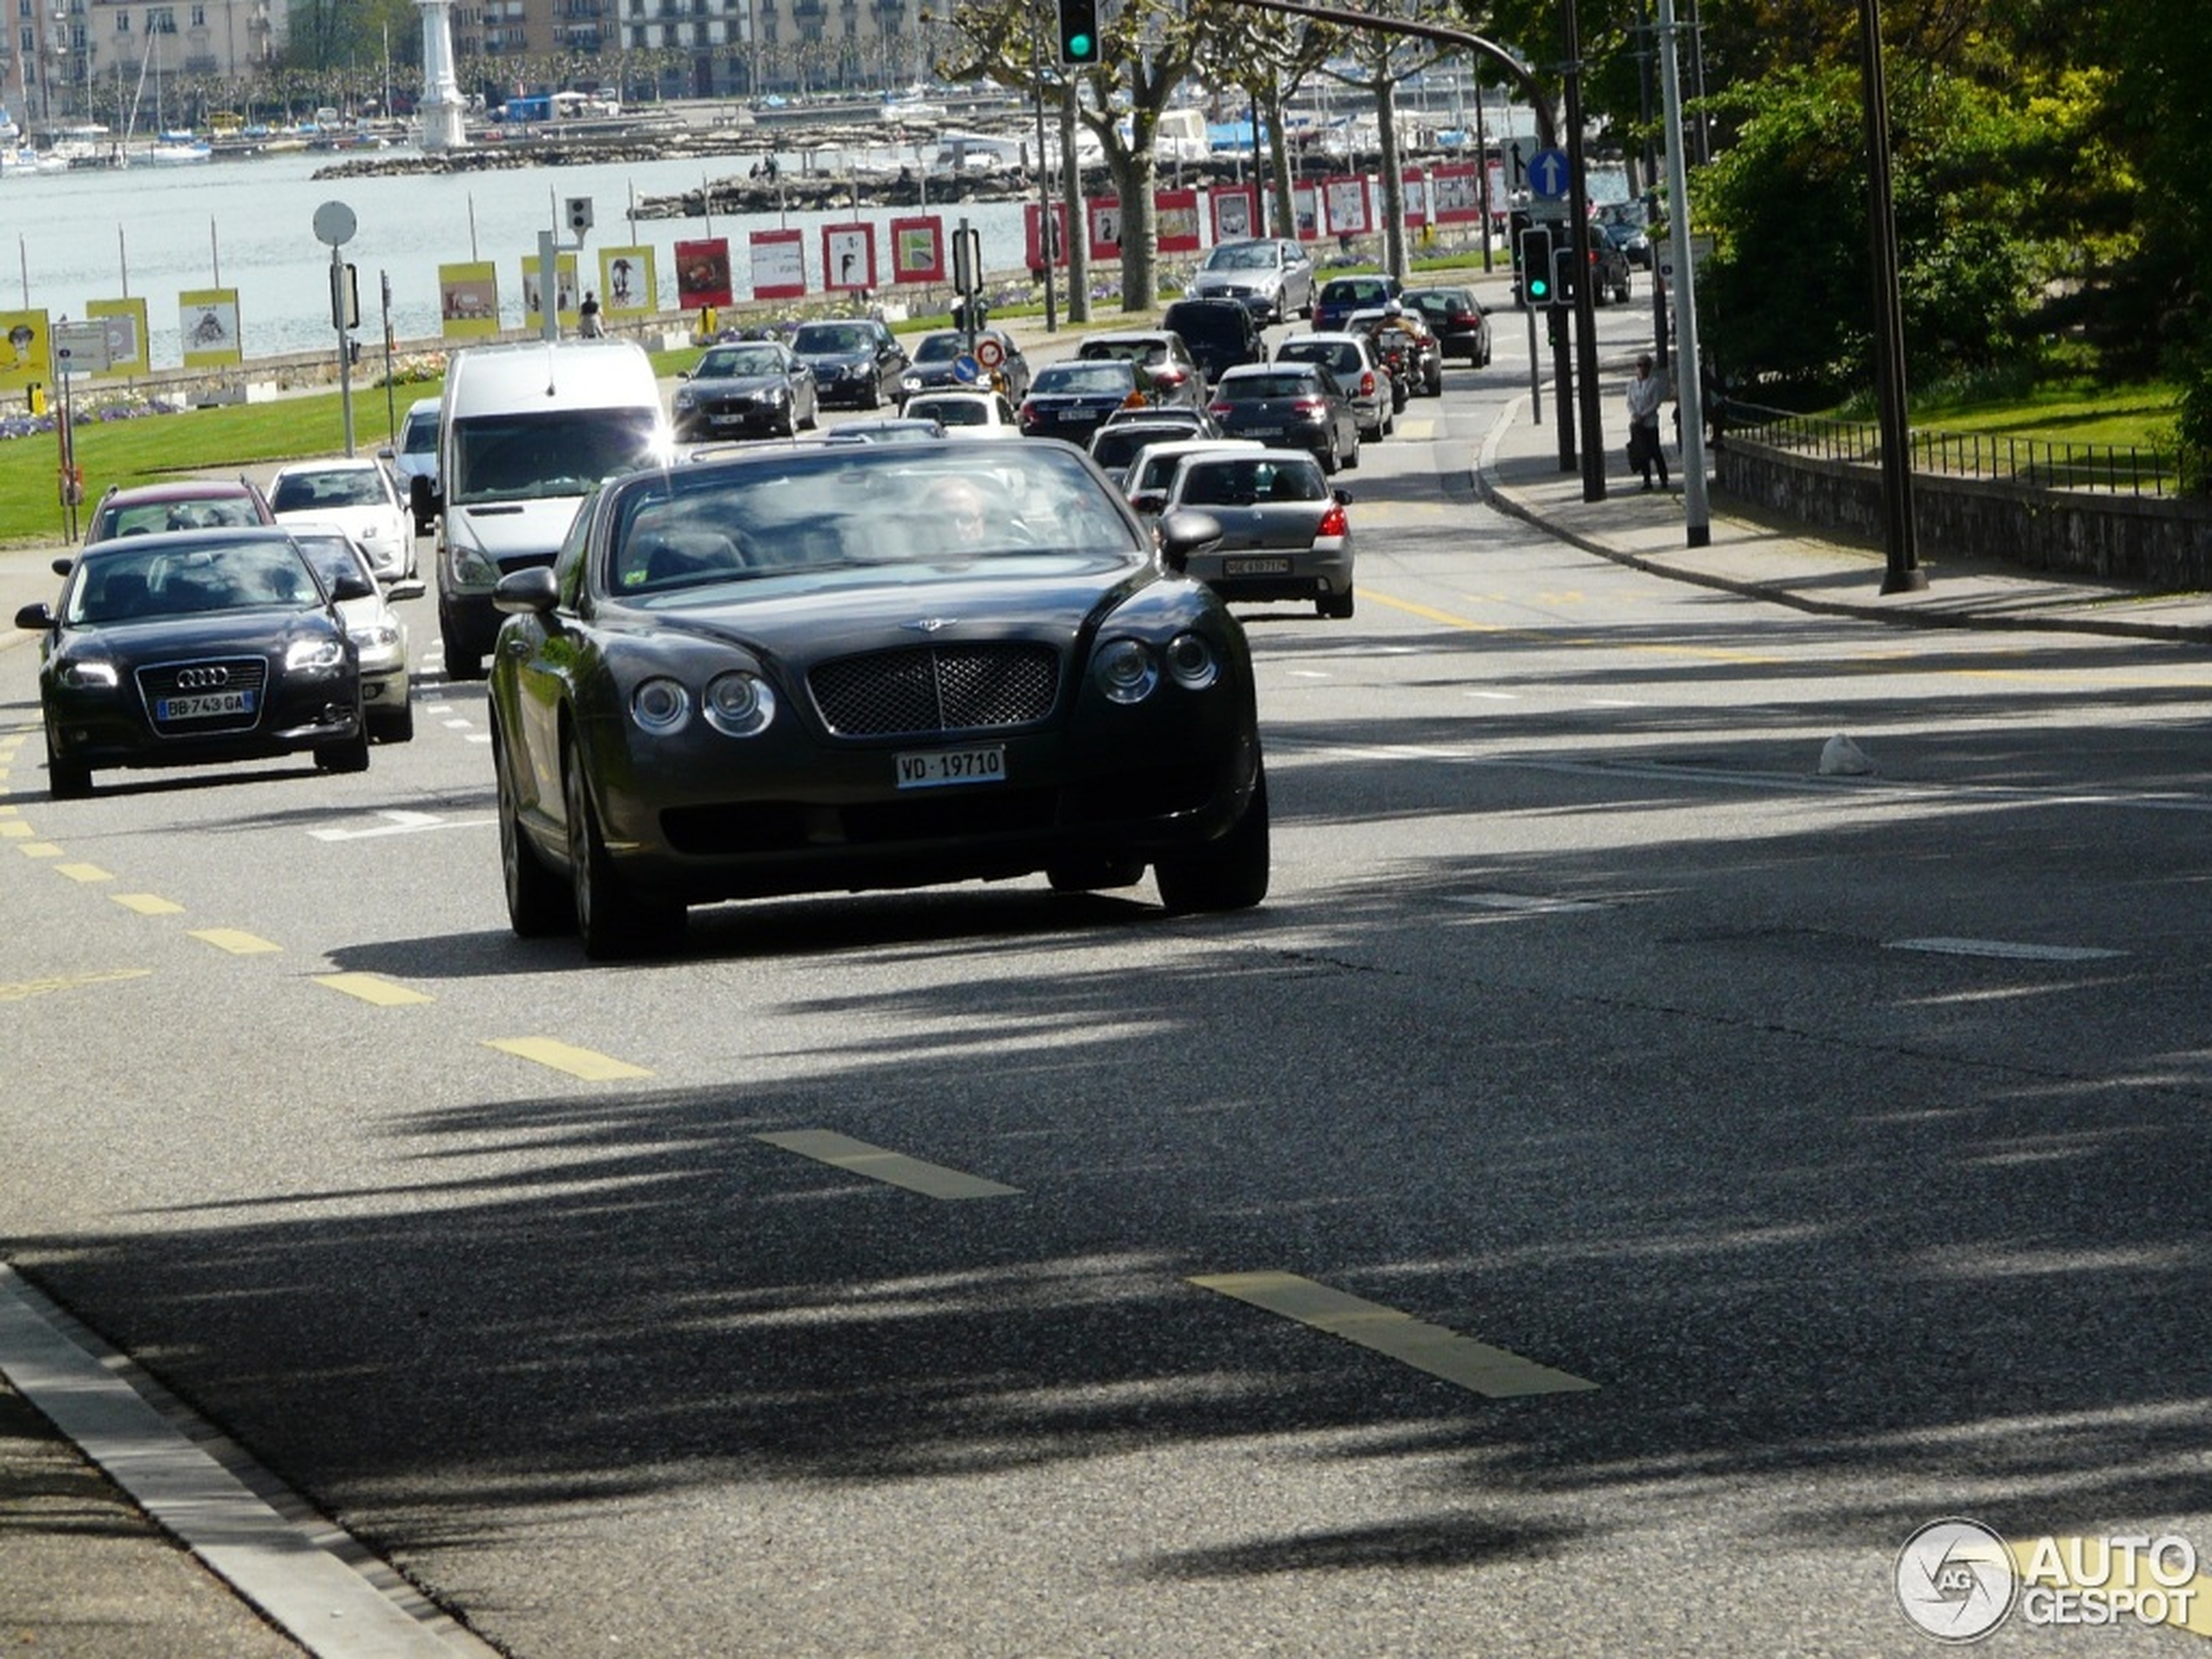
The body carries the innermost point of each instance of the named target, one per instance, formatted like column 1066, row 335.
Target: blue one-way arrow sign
column 1548, row 174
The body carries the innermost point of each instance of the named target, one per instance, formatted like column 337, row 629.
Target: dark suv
column 1221, row 333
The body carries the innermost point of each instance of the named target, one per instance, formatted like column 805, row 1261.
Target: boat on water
column 175, row 149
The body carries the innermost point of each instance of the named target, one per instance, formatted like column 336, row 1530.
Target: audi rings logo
column 202, row 679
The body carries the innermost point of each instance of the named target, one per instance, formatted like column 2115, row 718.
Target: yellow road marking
column 562, row 1056
column 1461, row 1360
column 39, row 850
column 239, row 944
column 373, row 987
column 147, row 904
column 16, row 829
column 68, row 983
column 895, row 1169
column 1429, row 613
column 85, row 872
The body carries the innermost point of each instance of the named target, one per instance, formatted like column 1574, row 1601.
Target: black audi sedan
column 196, row 647
column 854, row 666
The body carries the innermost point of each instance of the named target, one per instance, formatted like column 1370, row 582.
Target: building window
column 122, row 22
column 199, row 17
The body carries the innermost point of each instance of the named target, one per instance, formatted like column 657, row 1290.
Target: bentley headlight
column 660, row 704
column 1192, row 662
column 86, row 676
column 739, row 705
column 312, row 655
column 1124, row 670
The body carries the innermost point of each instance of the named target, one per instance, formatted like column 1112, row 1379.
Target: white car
column 966, row 415
column 1146, row 482
column 356, row 494
column 376, row 630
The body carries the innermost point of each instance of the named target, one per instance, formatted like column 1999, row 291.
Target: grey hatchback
column 1297, row 406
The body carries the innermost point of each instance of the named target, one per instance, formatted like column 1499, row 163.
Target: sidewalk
column 1518, row 471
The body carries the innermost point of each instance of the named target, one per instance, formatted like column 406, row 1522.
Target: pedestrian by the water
column 1646, row 392
column 587, row 317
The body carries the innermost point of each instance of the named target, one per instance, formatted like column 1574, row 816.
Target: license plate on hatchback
column 1263, row 431
column 207, row 706
column 1256, row 567
column 935, row 768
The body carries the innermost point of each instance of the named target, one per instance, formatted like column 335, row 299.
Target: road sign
column 990, row 353
column 81, row 347
column 1548, row 174
column 966, row 369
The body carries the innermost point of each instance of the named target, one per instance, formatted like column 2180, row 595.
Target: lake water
column 152, row 233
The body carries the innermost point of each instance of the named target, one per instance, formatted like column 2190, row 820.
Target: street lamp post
column 1902, row 572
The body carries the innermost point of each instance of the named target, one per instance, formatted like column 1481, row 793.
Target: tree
column 1268, row 56
column 1385, row 62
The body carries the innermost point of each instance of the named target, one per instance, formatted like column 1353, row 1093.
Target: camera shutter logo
column 1956, row 1579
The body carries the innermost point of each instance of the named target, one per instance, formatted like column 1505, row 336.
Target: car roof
column 332, row 463
column 1127, row 336
column 1253, row 371
column 177, row 490
column 1324, row 336
column 181, row 541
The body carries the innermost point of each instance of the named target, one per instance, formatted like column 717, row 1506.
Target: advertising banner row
column 780, row 264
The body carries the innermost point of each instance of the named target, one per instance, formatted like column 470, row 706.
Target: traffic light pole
column 1578, row 230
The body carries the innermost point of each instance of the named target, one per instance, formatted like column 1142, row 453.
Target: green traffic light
column 1079, row 46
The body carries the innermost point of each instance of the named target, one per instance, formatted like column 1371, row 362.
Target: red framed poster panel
column 1032, row 245
column 779, row 264
column 918, row 249
column 1305, row 208
column 1235, row 211
column 1347, row 206
column 1176, row 216
column 1454, row 195
column 848, row 258
column 1102, row 224
column 1417, row 202
column 703, row 273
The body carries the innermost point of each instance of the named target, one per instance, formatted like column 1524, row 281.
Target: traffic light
column 1563, row 275
column 1079, row 42
column 1535, row 250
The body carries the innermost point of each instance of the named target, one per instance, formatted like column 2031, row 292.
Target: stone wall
column 2164, row 544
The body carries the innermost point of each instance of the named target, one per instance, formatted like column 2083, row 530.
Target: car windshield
column 1116, row 446
column 560, row 452
column 821, row 515
column 819, row 339
column 298, row 492
column 1241, row 256
column 222, row 512
column 139, row 584
column 1092, row 375
column 1251, row 389
column 1240, row 483
column 952, row 411
column 1146, row 352
column 333, row 556
column 739, row 363
column 421, row 436
column 940, row 348
column 1333, row 353
column 1356, row 294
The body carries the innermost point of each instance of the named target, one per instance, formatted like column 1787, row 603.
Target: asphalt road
column 1620, row 1185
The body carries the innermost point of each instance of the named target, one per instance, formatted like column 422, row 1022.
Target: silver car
column 1365, row 379
column 1284, row 534
column 1270, row 275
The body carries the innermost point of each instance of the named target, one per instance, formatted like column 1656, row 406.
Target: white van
column 525, row 433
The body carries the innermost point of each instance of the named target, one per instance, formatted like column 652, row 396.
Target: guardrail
column 2040, row 463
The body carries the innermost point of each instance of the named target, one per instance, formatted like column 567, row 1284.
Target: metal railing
column 2039, row 463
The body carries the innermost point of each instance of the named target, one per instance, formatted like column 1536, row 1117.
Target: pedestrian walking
column 1646, row 393
column 587, row 317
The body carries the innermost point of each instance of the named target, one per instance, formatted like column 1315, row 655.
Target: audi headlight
column 1191, row 662
column 1124, row 670
column 86, row 676
column 660, row 704
column 739, row 705
column 312, row 655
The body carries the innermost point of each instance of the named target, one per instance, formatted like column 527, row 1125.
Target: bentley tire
column 615, row 922
column 1227, row 874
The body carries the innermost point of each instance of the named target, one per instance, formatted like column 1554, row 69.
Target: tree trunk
column 1393, row 180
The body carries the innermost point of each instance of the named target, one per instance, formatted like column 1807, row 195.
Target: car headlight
column 312, row 655
column 86, row 676
column 686, row 397
column 382, row 637
column 471, row 569
column 739, row 705
column 1191, row 662
column 660, row 704
column 1124, row 670
column 910, row 383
